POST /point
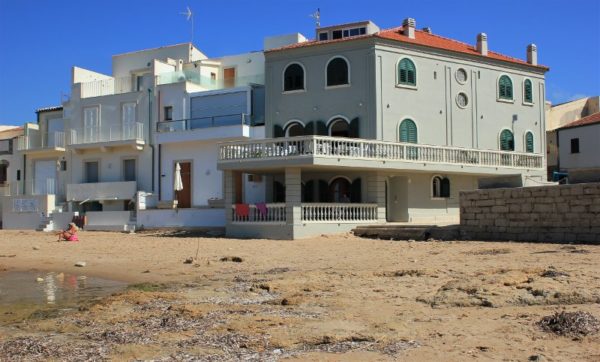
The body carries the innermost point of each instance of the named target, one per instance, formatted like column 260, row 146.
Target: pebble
column 80, row 264
column 36, row 248
column 39, row 280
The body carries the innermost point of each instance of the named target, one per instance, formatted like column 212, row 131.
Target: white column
column 293, row 197
column 376, row 194
column 228, row 194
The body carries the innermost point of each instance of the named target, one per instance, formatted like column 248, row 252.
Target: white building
column 10, row 162
column 371, row 126
column 579, row 149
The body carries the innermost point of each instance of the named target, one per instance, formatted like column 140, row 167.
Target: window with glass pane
column 337, row 72
column 128, row 120
column 129, row 173
column 168, row 113
column 528, row 142
column 505, row 88
column 507, row 141
column 90, row 124
column 407, row 72
column 293, row 78
column 528, row 90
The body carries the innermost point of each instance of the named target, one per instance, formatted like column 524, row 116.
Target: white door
column 128, row 121
column 90, row 125
column 55, row 136
column 44, row 177
column 397, row 199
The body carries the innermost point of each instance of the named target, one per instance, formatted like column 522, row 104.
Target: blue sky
column 41, row 40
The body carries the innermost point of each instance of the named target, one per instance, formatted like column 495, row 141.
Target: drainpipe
column 150, row 143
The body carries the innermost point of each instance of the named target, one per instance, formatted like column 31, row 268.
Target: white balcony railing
column 352, row 148
column 41, row 142
column 38, row 186
column 121, row 132
column 108, row 86
column 338, row 213
column 275, row 214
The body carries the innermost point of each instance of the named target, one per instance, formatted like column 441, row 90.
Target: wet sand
column 332, row 298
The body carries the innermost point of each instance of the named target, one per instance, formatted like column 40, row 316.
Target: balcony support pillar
column 293, row 195
column 228, row 194
column 376, row 194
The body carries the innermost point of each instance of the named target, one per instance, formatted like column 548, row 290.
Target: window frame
column 399, row 135
column 165, row 119
column 440, row 195
column 348, row 84
column 527, row 132
column 136, row 170
column 397, row 80
column 578, row 150
column 525, row 101
column 336, row 119
column 500, row 140
column 512, row 91
column 304, row 88
column 289, row 124
column 458, row 103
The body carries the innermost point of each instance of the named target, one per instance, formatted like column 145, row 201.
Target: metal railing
column 360, row 149
column 39, row 142
column 274, row 214
column 193, row 76
column 205, row 122
column 98, row 134
column 108, row 86
column 338, row 212
column 39, row 186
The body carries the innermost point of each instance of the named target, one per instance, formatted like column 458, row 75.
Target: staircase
column 46, row 224
column 408, row 232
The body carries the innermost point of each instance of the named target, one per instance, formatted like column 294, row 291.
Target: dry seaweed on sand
column 573, row 324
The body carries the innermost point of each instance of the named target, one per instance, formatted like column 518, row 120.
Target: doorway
column 229, row 77
column 45, row 177
column 184, row 197
column 397, row 199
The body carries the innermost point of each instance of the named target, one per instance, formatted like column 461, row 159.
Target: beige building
column 560, row 115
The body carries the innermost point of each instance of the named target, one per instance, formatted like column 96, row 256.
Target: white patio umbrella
column 177, row 182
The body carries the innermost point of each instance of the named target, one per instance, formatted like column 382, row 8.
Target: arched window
column 529, row 142
column 505, row 88
column 407, row 72
column 408, row 131
column 294, row 129
column 339, row 128
column 337, row 72
column 293, row 78
column 507, row 141
column 527, row 91
column 440, row 187
column 339, row 190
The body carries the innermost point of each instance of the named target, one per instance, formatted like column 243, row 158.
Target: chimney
column 482, row 45
column 532, row 54
column 427, row 30
column 409, row 27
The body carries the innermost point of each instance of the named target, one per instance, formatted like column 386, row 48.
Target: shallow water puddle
column 22, row 291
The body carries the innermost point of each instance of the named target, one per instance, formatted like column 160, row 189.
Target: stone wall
column 561, row 213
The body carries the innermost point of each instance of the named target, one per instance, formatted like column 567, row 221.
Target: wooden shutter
column 353, row 132
column 528, row 91
column 505, row 87
column 321, row 128
column 529, row 142
column 278, row 131
column 506, row 141
column 355, row 191
column 309, row 129
column 408, row 131
column 445, row 187
column 324, row 195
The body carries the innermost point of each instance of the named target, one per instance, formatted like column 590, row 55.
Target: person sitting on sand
column 70, row 234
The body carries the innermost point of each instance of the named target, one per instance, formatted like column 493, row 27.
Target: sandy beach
column 332, row 298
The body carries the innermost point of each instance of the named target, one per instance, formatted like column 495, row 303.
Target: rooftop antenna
column 317, row 16
column 189, row 15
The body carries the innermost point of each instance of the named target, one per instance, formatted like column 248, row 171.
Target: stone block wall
column 561, row 213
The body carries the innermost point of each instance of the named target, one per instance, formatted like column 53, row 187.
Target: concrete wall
column 181, row 218
column 564, row 213
column 107, row 218
column 562, row 114
column 589, row 147
column 123, row 64
column 26, row 220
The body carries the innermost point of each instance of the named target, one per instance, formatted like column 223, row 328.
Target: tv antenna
column 189, row 15
column 317, row 16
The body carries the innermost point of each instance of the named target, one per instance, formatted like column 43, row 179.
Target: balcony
column 225, row 127
column 46, row 143
column 310, row 213
column 107, row 137
column 106, row 87
column 100, row 191
column 370, row 154
column 193, row 76
column 46, row 186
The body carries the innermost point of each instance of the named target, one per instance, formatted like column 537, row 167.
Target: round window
column 462, row 100
column 461, row 76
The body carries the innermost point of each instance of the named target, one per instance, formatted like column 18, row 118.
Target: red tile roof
column 585, row 121
column 423, row 39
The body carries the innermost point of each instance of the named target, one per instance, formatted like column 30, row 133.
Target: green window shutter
column 505, row 90
column 354, row 128
column 408, row 131
column 407, row 73
column 278, row 131
column 529, row 142
column 355, row 191
column 507, row 142
column 528, row 91
column 445, row 187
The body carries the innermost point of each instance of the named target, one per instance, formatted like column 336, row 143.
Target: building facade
column 579, row 149
column 370, row 126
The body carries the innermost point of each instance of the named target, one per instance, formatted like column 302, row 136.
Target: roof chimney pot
column 409, row 27
column 482, row 44
column 532, row 54
column 427, row 30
